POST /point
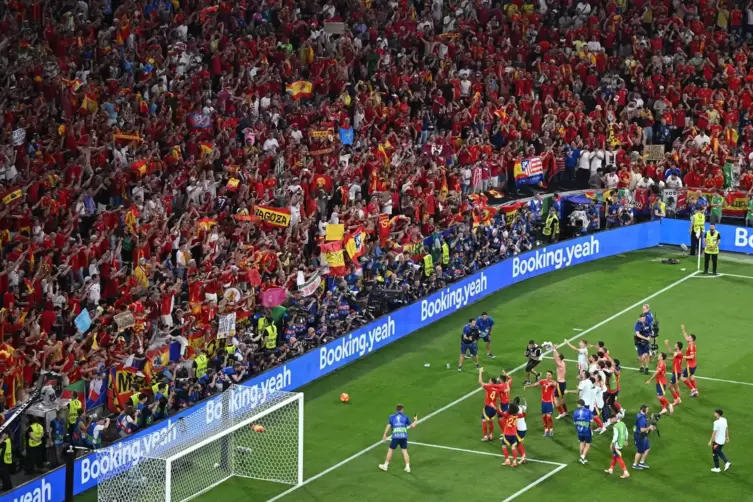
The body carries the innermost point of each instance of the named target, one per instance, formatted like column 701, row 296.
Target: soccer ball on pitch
column 257, row 428
column 344, row 397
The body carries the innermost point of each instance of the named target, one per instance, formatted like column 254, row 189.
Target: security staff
column 697, row 223
column 34, row 445
column 428, row 265
column 6, row 462
column 445, row 254
column 74, row 406
column 270, row 332
column 659, row 210
column 711, row 248
column 552, row 226
column 200, row 364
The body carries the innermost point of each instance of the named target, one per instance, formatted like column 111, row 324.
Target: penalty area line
column 710, row 379
column 487, row 453
column 534, row 484
column 479, row 389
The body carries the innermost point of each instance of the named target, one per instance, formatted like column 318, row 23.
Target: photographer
column 640, row 437
column 642, row 340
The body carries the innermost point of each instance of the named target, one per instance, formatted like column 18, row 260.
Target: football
column 344, row 397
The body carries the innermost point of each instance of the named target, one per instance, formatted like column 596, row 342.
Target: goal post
column 229, row 436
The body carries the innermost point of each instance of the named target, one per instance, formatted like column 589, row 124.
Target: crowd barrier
column 328, row 358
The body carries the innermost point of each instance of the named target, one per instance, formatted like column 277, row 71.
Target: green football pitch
column 596, row 301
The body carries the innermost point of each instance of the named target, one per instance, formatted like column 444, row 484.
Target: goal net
column 229, row 436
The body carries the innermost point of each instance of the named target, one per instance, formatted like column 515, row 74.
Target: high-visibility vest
column 73, row 406
column 712, row 243
column 231, row 348
column 8, row 455
column 271, row 337
column 135, row 398
column 428, row 265
column 699, row 221
column 201, row 365
column 37, row 431
column 445, row 254
column 552, row 222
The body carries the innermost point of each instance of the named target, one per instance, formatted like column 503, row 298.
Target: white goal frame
column 230, row 429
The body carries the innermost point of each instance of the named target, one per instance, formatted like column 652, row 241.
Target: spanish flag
column 173, row 156
column 300, row 89
column 130, row 219
column 444, row 189
column 206, row 148
column 140, row 166
column 332, row 253
column 207, row 223
column 232, row 184
column 355, row 244
column 321, row 182
column 89, row 104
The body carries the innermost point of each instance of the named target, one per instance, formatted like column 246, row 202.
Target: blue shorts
column 641, row 444
column 504, row 406
column 685, row 372
column 560, row 390
column 606, row 412
column 674, row 377
column 585, row 438
column 402, row 443
column 660, row 390
column 521, row 435
column 510, row 440
column 546, row 408
column 643, row 349
column 488, row 413
column 486, row 337
column 616, row 452
column 465, row 347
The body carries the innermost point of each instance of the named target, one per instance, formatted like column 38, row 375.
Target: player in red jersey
column 547, row 397
column 510, row 435
column 674, row 378
column 688, row 374
column 660, row 375
column 505, row 385
column 492, row 389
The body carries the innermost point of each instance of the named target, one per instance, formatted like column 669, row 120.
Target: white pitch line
column 479, row 389
column 535, row 483
column 577, row 329
column 737, row 275
column 697, row 377
column 477, row 452
column 702, row 276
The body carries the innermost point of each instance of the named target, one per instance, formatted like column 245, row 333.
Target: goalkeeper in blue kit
column 485, row 324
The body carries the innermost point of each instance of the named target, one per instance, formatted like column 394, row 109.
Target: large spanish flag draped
column 355, row 244
column 332, row 252
column 300, row 89
column 275, row 216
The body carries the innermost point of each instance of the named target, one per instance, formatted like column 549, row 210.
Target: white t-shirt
column 720, row 430
column 583, row 358
column 585, row 392
column 521, row 423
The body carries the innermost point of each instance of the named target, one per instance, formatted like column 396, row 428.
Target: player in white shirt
column 582, row 350
column 719, row 437
column 522, row 428
column 598, row 401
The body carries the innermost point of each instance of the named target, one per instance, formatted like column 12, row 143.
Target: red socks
column 617, row 405
column 693, row 385
column 483, row 428
column 688, row 383
column 545, row 421
column 504, row 452
column 618, row 460
column 664, row 402
column 598, row 422
column 559, row 409
column 564, row 407
column 675, row 396
column 522, row 449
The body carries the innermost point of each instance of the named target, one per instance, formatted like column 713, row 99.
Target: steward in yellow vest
column 697, row 223
column 428, row 265
column 201, row 365
column 6, row 462
column 445, row 254
column 35, row 456
column 270, row 333
column 711, row 248
column 552, row 226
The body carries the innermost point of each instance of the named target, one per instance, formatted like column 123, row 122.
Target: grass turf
column 549, row 307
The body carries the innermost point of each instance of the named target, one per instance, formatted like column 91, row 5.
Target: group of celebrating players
column 598, row 389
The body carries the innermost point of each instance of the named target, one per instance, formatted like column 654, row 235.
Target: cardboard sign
column 124, row 320
column 334, row 28
column 653, row 152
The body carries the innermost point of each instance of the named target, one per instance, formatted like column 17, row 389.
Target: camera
column 654, row 420
column 654, row 349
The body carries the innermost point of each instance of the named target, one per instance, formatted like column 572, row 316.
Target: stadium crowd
column 148, row 147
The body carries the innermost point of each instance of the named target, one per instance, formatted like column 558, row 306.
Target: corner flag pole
column 699, row 253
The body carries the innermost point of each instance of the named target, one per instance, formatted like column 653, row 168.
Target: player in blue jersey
column 399, row 424
column 485, row 324
column 469, row 342
column 582, row 418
